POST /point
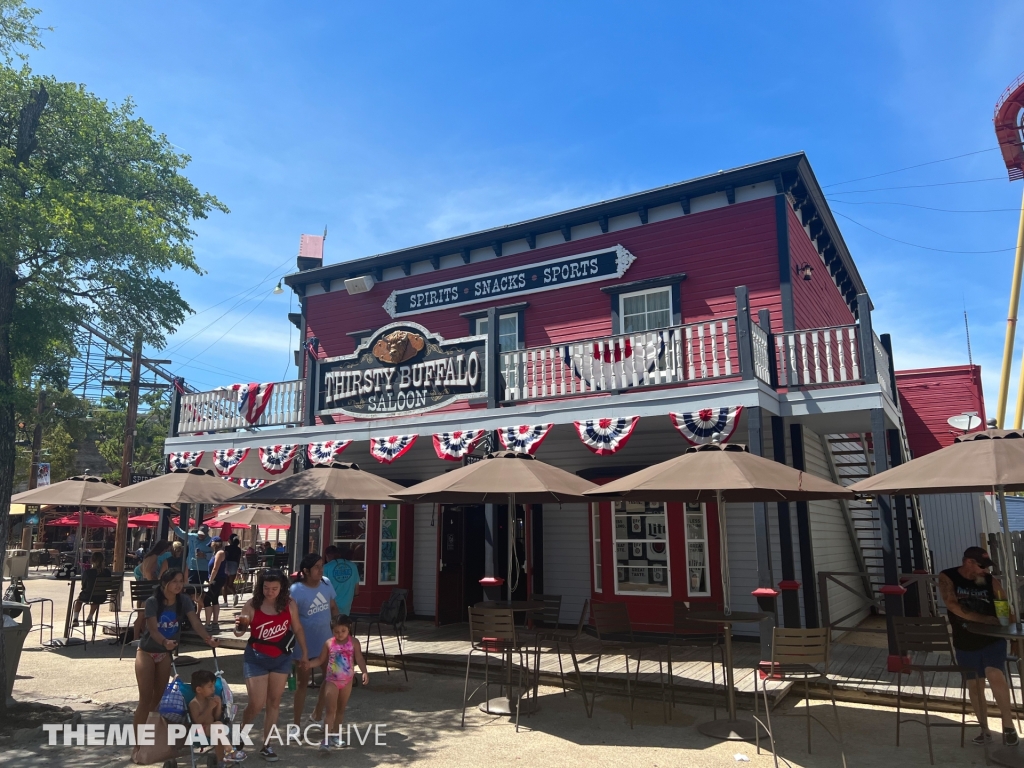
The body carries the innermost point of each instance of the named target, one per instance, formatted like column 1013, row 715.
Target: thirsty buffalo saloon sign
column 514, row 281
column 402, row 369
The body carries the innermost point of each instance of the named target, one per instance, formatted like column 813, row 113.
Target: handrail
column 930, row 580
column 218, row 409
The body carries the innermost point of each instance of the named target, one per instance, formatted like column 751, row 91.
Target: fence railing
column 676, row 355
column 819, row 356
column 220, row 409
column 926, row 585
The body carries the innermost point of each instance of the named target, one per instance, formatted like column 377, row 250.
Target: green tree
column 151, row 431
column 94, row 209
column 64, row 425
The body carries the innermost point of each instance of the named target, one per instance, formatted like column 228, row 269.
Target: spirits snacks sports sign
column 402, row 369
column 515, row 281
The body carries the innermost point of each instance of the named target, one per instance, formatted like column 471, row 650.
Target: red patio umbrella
column 151, row 519
column 89, row 520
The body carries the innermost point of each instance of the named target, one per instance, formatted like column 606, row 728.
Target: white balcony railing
column 219, row 409
column 817, row 357
column 677, row 355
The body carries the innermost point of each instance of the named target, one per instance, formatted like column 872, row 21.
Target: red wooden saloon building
column 725, row 303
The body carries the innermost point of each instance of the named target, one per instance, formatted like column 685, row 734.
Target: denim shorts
column 992, row 655
column 256, row 664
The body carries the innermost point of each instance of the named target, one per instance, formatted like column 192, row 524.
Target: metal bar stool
column 493, row 630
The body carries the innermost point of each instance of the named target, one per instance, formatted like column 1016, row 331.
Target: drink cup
column 1003, row 612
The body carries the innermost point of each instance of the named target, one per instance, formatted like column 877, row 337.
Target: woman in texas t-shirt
column 272, row 619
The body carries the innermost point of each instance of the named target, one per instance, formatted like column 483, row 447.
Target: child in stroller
column 203, row 702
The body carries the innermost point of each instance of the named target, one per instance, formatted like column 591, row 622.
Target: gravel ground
column 421, row 721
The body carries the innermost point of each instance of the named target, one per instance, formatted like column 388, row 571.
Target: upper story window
column 645, row 310
column 508, row 331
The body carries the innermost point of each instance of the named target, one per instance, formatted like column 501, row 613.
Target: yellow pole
column 1019, row 414
column 1011, row 325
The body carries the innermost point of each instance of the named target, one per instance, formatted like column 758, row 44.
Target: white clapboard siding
column 424, row 561
column 567, row 557
column 953, row 522
column 832, row 545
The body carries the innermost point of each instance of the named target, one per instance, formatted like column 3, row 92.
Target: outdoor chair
column 393, row 613
column 542, row 619
column 141, row 591
column 104, row 590
column 493, row 630
column 797, row 654
column 615, row 637
column 684, row 637
column 925, row 636
column 552, row 641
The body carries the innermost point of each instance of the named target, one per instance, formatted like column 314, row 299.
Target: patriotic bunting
column 247, row 483
column 524, row 438
column 277, row 458
column 617, row 366
column 387, row 449
column 226, row 459
column 700, row 427
column 184, row 459
column 253, row 399
column 452, row 446
column 323, row 454
column 606, row 436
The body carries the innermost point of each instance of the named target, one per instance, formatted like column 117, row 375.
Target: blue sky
column 399, row 123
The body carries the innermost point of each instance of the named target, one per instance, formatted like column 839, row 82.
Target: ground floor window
column 641, row 548
column 350, row 535
column 595, row 516
column 388, row 544
column 698, row 584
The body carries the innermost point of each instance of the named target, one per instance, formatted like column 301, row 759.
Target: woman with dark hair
column 154, row 562
column 232, row 561
column 218, row 577
column 166, row 612
column 272, row 619
column 314, row 597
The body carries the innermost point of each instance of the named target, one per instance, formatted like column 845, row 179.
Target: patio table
column 1014, row 632
column 501, row 705
column 731, row 729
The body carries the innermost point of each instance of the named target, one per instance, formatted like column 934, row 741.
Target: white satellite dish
column 965, row 421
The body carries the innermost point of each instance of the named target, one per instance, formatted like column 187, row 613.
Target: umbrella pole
column 511, row 542
column 1010, row 566
column 723, row 554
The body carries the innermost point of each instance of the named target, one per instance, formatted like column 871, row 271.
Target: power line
column 925, row 207
column 229, row 330
column 911, row 167
column 917, row 186
column 916, row 245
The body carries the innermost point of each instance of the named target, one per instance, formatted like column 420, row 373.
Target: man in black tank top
column 969, row 593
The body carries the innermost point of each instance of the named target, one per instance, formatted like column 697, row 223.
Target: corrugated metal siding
column 953, row 523
column 718, row 249
column 817, row 303
column 929, row 396
column 1015, row 513
column 567, row 557
column 424, row 568
column 830, row 535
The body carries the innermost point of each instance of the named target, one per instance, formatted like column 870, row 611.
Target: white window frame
column 595, row 522
column 622, row 307
column 366, row 522
column 396, row 540
column 622, row 588
column 514, row 316
column 703, row 512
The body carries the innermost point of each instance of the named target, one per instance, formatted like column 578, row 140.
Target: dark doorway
column 461, row 564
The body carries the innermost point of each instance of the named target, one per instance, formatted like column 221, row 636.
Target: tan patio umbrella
column 981, row 462
column 340, row 482
column 190, row 486
column 499, row 477
column 720, row 473
column 265, row 516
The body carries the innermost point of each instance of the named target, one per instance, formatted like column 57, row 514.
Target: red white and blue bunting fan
column 325, row 453
column 387, row 449
column 247, row 483
column 617, row 366
column 226, row 459
column 253, row 399
column 606, row 436
column 700, row 427
column 184, row 460
column 452, row 446
column 277, row 458
column 524, row 438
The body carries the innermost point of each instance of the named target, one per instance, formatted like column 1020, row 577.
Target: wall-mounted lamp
column 805, row 270
column 278, row 290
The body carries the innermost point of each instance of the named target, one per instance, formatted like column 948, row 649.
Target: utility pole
column 33, row 472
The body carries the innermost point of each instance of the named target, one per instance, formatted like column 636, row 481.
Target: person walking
column 970, row 594
column 212, row 590
column 340, row 655
column 232, row 563
column 200, row 550
column 272, row 619
column 344, row 577
column 314, row 596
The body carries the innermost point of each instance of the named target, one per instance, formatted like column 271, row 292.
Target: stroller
column 174, row 708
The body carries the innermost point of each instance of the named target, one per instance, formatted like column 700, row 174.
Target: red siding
column 817, row 303
column 929, row 396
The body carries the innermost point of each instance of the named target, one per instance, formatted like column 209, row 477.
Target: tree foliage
column 18, row 29
column 150, row 433
column 64, row 424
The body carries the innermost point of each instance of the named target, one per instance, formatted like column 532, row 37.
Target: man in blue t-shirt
column 200, row 550
column 344, row 577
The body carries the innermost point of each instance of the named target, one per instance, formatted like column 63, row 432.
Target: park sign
column 582, row 268
column 402, row 369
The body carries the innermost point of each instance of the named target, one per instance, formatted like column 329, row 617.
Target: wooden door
column 450, row 577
